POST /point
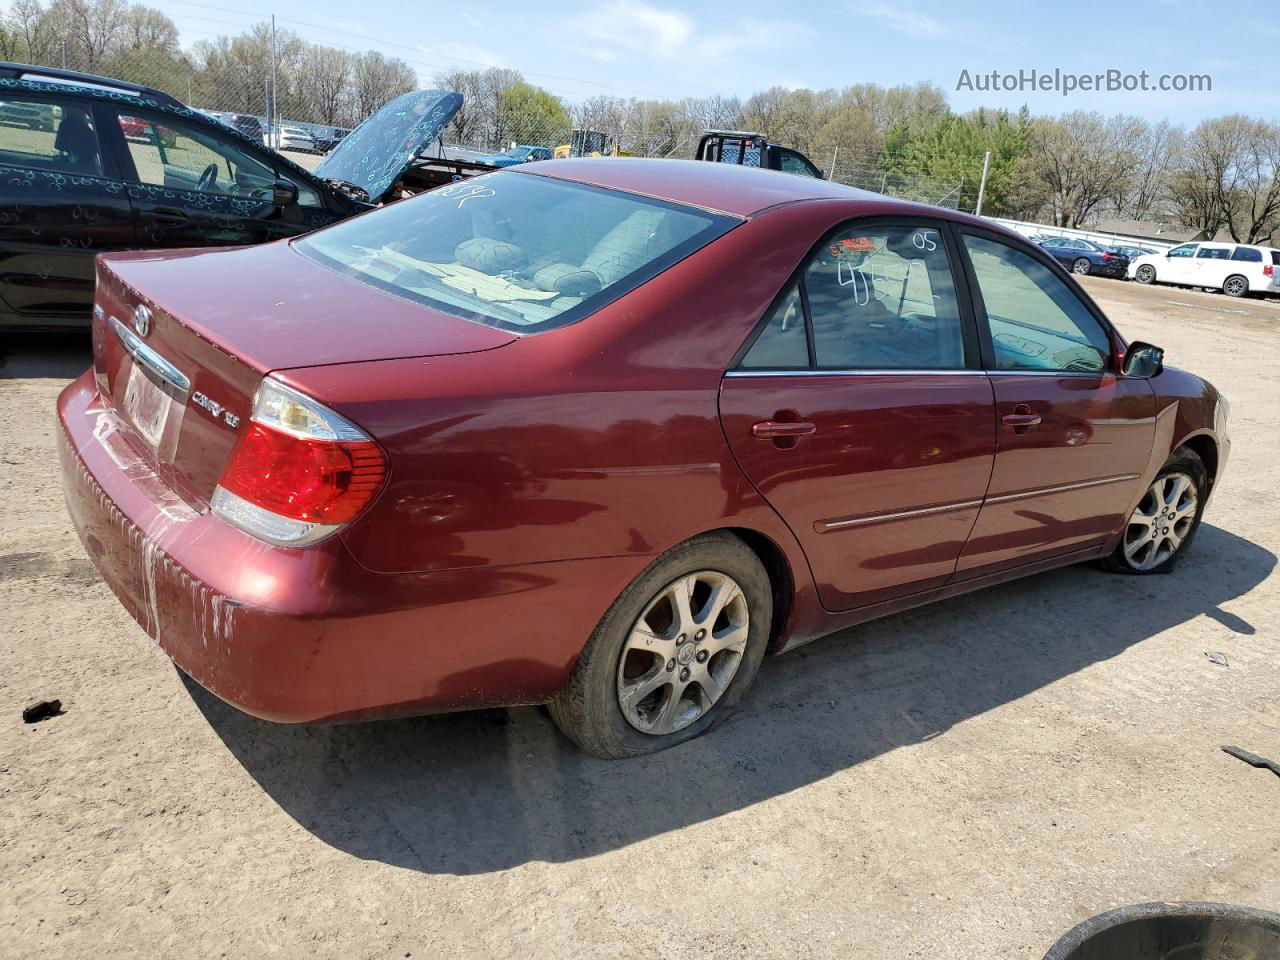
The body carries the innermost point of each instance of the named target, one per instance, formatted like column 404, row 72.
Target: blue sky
column 662, row 49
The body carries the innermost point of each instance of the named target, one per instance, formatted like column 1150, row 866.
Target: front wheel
column 1145, row 274
column 674, row 653
column 1166, row 519
column 1081, row 267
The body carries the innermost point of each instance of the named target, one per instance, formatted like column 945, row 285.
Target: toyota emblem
column 142, row 320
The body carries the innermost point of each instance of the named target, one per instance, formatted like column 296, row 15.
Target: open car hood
column 375, row 154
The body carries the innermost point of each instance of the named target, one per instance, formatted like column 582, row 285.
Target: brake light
column 1268, row 269
column 299, row 471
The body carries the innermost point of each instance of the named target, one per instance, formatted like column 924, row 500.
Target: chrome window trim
column 163, row 373
column 904, row 372
column 886, row 372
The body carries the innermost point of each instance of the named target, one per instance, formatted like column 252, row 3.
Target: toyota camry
column 601, row 434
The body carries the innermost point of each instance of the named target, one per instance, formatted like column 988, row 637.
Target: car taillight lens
column 299, row 471
column 1268, row 269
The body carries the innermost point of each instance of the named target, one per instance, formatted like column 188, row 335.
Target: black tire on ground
column 1184, row 461
column 1145, row 274
column 1082, row 267
column 587, row 710
column 1236, row 286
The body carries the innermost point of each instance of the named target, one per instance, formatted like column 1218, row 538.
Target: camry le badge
column 218, row 411
column 142, row 319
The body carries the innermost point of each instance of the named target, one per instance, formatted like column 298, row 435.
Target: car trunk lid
column 376, row 154
column 179, row 351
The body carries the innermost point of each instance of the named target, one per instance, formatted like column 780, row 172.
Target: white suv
column 1237, row 269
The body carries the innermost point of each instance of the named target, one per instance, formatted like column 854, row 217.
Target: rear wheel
column 1161, row 528
column 1081, row 267
column 1145, row 274
column 1235, row 286
column 674, row 653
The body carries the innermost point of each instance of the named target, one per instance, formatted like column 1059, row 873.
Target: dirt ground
column 964, row 781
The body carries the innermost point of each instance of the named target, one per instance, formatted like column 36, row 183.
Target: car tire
column 664, row 681
column 1156, row 547
column 1145, row 274
column 1081, row 267
column 1236, row 286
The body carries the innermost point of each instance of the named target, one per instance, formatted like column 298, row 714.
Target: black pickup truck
column 754, row 150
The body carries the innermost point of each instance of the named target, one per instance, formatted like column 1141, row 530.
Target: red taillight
column 1108, row 256
column 1268, row 269
column 299, row 471
column 317, row 481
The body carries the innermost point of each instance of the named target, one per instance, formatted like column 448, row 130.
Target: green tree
column 530, row 114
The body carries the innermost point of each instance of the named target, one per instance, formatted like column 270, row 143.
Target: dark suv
column 89, row 164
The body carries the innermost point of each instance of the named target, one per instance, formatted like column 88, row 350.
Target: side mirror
column 1168, row 253
column 284, row 193
column 1142, row 360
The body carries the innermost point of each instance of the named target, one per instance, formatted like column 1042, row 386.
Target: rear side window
column 48, row 134
column 1036, row 322
column 878, row 298
column 515, row 250
column 1275, row 257
column 1247, row 254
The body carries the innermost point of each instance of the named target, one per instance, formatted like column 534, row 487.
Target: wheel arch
column 781, row 577
column 1204, row 446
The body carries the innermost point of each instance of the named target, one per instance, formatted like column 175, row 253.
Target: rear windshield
column 513, row 250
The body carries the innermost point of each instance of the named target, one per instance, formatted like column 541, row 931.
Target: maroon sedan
column 600, row 434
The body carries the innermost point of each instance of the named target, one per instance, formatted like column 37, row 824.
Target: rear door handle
column 174, row 218
column 774, row 429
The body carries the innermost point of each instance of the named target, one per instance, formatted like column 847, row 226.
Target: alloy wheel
column 1235, row 287
column 1145, row 274
column 1080, row 267
column 682, row 652
column 1161, row 522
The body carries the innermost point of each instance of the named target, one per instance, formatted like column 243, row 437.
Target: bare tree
column 1081, row 159
column 145, row 27
column 378, row 79
column 91, row 27
column 326, row 76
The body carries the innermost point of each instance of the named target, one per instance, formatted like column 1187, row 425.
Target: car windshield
column 514, row 250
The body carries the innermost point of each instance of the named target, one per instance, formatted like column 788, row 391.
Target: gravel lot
column 967, row 780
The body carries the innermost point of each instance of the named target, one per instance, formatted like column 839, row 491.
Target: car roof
column 726, row 187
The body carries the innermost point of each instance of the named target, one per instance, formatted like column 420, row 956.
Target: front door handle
column 776, row 430
column 1022, row 419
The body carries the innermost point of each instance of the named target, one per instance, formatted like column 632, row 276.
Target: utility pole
column 834, row 155
column 271, row 103
column 64, row 53
column 982, row 187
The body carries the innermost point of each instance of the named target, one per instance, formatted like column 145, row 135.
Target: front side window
column 186, row 158
column 878, row 297
column 514, row 250
column 1186, row 250
column 792, row 162
column 48, row 134
column 1036, row 321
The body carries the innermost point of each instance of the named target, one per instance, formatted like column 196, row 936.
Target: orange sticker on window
column 852, row 245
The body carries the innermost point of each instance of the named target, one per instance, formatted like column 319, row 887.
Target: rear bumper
column 310, row 635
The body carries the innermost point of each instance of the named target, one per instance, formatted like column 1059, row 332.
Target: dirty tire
column 587, row 710
column 1081, row 267
column 1145, row 274
column 1236, row 286
column 1182, row 461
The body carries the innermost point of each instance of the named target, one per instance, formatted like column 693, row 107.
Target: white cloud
column 918, row 25
column 640, row 27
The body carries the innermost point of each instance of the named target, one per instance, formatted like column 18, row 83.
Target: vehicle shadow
column 476, row 792
column 63, row 355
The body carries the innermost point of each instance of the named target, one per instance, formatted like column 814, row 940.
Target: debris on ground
column 1215, row 657
column 41, row 710
column 1253, row 759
